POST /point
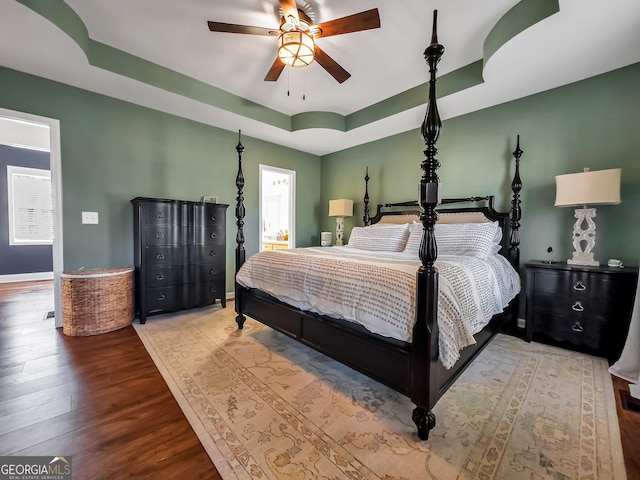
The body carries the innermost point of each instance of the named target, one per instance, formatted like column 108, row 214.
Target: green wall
column 593, row 123
column 113, row 151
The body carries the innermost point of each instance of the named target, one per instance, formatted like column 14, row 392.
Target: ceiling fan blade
column 233, row 28
column 275, row 70
column 352, row 23
column 289, row 8
column 331, row 66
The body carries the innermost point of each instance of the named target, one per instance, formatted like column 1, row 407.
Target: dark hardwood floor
column 98, row 399
column 101, row 400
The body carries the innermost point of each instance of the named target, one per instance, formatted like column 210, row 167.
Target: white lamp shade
column 600, row 187
column 341, row 208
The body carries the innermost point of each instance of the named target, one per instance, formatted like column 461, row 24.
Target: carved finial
column 366, row 218
column 239, row 147
column 434, row 31
column 517, row 152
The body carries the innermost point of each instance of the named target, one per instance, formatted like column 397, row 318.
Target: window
column 30, row 203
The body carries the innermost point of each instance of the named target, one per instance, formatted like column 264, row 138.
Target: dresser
column 180, row 254
column 584, row 307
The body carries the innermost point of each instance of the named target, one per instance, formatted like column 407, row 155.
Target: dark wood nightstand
column 587, row 308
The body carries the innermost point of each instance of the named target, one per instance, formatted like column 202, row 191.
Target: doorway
column 52, row 127
column 277, row 208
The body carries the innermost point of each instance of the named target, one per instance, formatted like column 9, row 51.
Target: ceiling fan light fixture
column 296, row 48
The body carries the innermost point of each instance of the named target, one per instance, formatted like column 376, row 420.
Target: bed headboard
column 475, row 210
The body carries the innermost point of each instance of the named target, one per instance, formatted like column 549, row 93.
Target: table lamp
column 340, row 208
column 600, row 187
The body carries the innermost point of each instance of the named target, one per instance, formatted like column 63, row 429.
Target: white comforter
column 377, row 289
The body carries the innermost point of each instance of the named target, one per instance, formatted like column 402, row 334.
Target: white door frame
column 292, row 203
column 56, row 185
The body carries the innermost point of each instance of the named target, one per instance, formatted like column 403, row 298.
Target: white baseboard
column 26, row 277
column 522, row 323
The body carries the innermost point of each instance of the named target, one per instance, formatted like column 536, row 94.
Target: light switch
column 89, row 217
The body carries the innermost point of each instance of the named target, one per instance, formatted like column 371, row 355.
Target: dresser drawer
column 207, row 293
column 164, row 298
column 208, row 272
column 207, row 254
column 210, row 214
column 164, row 255
column 575, row 329
column 166, row 235
column 209, row 235
column 165, row 276
column 162, row 213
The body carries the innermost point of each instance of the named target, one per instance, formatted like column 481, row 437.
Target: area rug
column 266, row 407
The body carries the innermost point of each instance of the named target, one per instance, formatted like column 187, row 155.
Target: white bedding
column 377, row 289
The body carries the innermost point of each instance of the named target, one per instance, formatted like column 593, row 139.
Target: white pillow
column 473, row 239
column 390, row 238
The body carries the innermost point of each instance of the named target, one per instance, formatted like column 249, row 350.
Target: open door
column 277, row 208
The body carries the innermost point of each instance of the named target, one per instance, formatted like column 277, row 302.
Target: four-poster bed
column 410, row 367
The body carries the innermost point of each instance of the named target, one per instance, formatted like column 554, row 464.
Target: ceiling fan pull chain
column 288, row 82
column 304, row 86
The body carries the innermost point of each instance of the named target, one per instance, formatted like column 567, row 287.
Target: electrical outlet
column 90, row 217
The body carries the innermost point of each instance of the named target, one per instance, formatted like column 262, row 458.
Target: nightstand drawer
column 571, row 304
column 568, row 283
column 579, row 331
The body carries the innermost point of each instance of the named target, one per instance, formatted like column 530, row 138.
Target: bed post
column 240, row 251
column 424, row 351
column 366, row 218
column 516, row 211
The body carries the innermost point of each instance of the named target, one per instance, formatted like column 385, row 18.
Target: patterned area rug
column 266, row 407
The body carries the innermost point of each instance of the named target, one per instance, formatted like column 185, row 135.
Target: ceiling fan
column 297, row 38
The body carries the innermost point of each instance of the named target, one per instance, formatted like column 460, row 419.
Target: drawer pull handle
column 160, row 256
column 577, row 307
column 159, row 235
column 213, row 235
column 577, row 327
column 213, row 290
column 159, row 215
column 213, row 271
column 579, row 286
column 161, row 296
column 160, row 276
column 213, row 218
column 212, row 253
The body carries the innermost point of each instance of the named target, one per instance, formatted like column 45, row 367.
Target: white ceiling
column 585, row 38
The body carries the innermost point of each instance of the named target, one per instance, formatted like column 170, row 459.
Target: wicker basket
column 96, row 301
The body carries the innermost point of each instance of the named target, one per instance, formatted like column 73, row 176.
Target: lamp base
column 339, row 230
column 584, row 239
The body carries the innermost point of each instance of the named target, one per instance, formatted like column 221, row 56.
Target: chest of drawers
column 180, row 254
column 582, row 306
